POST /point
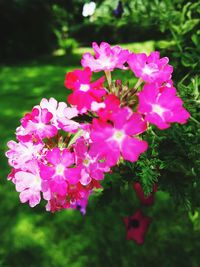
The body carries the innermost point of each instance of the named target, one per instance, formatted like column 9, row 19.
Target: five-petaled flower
column 106, row 58
column 145, row 200
column 161, row 106
column 136, row 227
column 152, row 68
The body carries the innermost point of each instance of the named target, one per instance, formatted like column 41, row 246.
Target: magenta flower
column 28, row 183
column 111, row 106
column 106, row 58
column 112, row 140
column 62, row 154
column 152, row 68
column 91, row 165
column 146, row 200
column 136, row 227
column 84, row 92
column 56, row 174
column 38, row 123
column 77, row 198
column 161, row 106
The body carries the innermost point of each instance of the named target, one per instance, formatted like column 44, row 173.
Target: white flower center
column 118, row 136
column 40, row 125
column 150, row 69
column 105, row 61
column 84, row 87
column 96, row 106
column 158, row 109
column 60, row 169
column 86, row 162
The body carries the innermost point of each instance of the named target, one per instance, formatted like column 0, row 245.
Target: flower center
column 96, row 106
column 84, row 87
column 86, row 162
column 118, row 136
column 158, row 109
column 133, row 223
column 60, row 169
column 37, row 182
column 150, row 69
column 40, row 125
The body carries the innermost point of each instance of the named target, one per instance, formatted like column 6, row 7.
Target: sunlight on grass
column 25, row 233
column 145, row 47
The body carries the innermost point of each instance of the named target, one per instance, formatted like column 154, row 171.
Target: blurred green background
column 40, row 41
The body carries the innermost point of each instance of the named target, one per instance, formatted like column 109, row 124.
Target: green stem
column 176, row 40
column 139, row 82
column 194, row 120
column 108, row 77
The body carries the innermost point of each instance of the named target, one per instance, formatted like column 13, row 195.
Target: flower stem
column 139, row 82
column 194, row 120
column 108, row 77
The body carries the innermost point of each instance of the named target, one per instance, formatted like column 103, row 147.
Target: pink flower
column 92, row 166
column 84, row 92
column 136, row 227
column 57, row 203
column 62, row 114
column 146, row 200
column 152, row 68
column 106, row 58
column 77, row 198
column 28, row 183
column 112, row 140
column 56, row 174
column 161, row 106
column 111, row 106
column 38, row 123
column 20, row 153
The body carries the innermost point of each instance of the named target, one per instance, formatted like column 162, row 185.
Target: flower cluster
column 62, row 152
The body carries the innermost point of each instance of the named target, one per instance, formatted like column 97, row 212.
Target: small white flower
column 88, row 9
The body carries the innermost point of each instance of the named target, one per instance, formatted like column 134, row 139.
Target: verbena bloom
column 111, row 106
column 161, row 106
column 42, row 166
column 38, row 122
column 63, row 152
column 57, row 173
column 28, row 183
column 136, row 227
column 118, row 139
column 106, row 58
column 21, row 153
column 84, row 92
column 152, row 68
column 92, row 165
column 61, row 113
column 145, row 200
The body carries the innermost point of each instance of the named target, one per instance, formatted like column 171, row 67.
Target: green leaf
column 189, row 25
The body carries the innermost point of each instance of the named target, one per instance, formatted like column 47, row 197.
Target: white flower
column 88, row 9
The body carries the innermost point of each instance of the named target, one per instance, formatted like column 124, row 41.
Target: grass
column 33, row 237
